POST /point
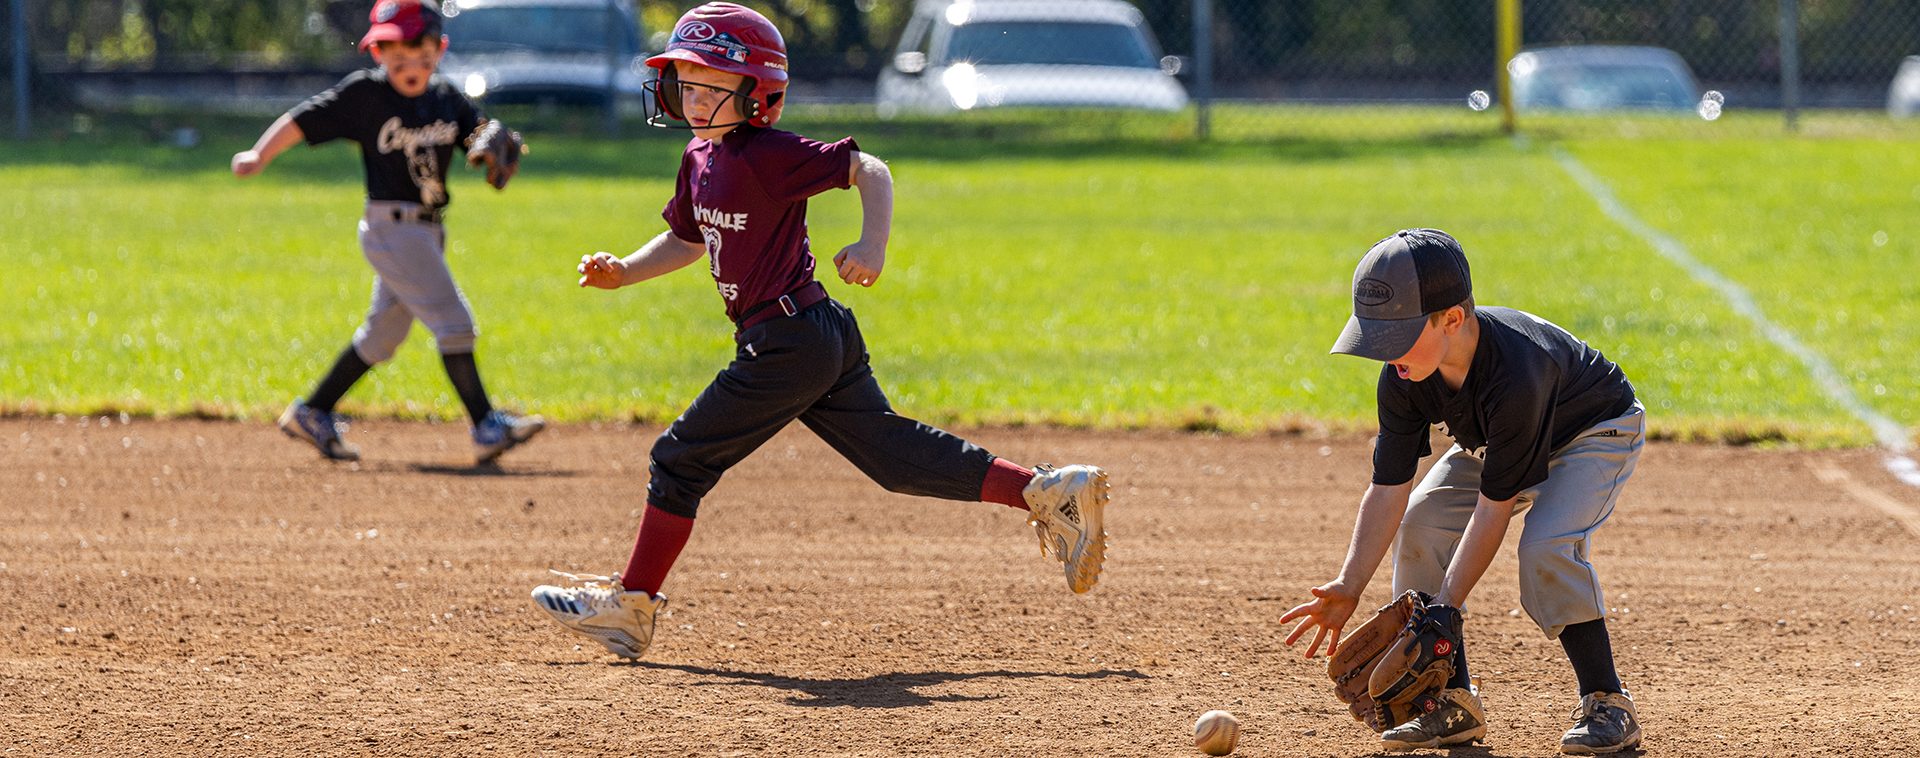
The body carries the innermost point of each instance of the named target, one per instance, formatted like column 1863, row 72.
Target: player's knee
column 376, row 348
column 1558, row 553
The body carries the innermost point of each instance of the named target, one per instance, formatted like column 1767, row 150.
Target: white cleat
column 1066, row 508
column 619, row 619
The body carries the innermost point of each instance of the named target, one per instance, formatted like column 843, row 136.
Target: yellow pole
column 1509, row 43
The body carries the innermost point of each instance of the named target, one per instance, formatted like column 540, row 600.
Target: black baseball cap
column 1402, row 279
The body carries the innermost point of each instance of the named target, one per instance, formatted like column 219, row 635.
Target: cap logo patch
column 1372, row 292
column 386, row 11
column 695, row 31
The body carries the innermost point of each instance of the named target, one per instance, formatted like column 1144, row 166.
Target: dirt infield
column 212, row 588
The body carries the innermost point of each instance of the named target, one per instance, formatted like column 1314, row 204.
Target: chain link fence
column 1255, row 69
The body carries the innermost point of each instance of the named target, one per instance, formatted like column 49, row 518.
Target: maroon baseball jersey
column 745, row 198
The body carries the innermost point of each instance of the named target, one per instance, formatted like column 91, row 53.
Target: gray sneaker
column 1459, row 718
column 321, row 429
column 1606, row 724
column 501, row 431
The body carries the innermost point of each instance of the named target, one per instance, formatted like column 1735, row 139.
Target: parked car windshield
column 1058, row 43
column 535, row 29
column 1594, row 87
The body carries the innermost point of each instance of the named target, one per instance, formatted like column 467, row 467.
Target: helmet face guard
column 729, row 38
column 668, row 97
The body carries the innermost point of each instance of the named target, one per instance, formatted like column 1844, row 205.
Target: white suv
column 965, row 54
column 543, row 50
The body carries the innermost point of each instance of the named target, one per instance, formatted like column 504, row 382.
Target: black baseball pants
column 811, row 366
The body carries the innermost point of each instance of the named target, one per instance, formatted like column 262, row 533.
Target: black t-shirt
column 405, row 142
column 1532, row 388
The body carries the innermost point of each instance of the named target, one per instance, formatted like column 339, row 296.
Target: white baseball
column 1216, row 732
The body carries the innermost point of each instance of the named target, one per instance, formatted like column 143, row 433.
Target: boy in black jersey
column 1543, row 425
column 407, row 123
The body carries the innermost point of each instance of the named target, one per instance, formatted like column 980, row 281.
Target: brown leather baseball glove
column 1407, row 649
column 498, row 147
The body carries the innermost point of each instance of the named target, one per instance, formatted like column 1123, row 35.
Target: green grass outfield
column 1118, row 276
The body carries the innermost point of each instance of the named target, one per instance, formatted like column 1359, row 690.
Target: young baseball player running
column 1543, row 425
column 407, row 123
column 741, row 202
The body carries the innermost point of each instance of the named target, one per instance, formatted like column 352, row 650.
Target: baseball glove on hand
column 1394, row 666
column 498, row 147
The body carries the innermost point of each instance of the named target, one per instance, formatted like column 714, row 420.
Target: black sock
column 346, row 370
column 466, row 381
column 1591, row 653
column 1460, row 680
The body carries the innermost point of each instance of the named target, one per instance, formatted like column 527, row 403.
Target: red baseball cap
column 395, row 20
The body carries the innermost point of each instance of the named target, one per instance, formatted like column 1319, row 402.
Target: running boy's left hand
column 1330, row 609
column 860, row 263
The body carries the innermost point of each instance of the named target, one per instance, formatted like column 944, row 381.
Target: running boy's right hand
column 247, row 163
column 602, row 270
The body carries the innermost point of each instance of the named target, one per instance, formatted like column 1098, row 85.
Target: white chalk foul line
column 1889, row 433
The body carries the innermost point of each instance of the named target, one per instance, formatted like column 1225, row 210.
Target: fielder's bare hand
column 1328, row 612
column 247, row 163
column 860, row 263
column 602, row 270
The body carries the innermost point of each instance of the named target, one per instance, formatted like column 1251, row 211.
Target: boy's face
column 703, row 103
column 1424, row 357
column 410, row 66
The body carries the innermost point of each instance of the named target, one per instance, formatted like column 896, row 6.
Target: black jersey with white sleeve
column 405, row 142
column 1532, row 388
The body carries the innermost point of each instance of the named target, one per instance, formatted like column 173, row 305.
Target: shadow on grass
column 891, row 690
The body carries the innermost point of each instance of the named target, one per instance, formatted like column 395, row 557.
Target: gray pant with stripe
column 1558, row 586
column 411, row 281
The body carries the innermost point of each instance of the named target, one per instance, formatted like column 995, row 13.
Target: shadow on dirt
column 490, row 470
column 893, row 690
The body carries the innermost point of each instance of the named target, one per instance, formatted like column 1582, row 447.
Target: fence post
column 613, row 70
column 22, row 98
column 1509, row 44
column 1203, row 66
column 1790, row 63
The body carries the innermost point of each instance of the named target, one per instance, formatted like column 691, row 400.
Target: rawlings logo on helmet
column 694, row 31
column 385, row 11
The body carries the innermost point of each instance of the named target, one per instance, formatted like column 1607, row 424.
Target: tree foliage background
column 1381, row 40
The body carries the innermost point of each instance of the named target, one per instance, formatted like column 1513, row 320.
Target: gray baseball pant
column 411, row 281
column 1558, row 586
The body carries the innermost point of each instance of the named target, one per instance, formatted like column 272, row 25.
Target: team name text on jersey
column 730, row 221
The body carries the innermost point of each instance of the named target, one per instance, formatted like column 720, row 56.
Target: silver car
column 958, row 55
column 543, row 51
column 1602, row 77
column 1903, row 96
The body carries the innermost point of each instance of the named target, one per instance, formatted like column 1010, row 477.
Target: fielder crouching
column 1545, row 427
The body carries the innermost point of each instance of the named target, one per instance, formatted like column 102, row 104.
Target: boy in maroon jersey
column 741, row 201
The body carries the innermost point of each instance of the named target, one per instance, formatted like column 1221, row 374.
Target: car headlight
column 476, row 85
column 963, row 85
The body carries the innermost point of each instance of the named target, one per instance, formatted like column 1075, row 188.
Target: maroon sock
column 662, row 534
column 1006, row 481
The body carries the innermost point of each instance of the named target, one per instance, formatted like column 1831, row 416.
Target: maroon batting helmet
column 737, row 40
